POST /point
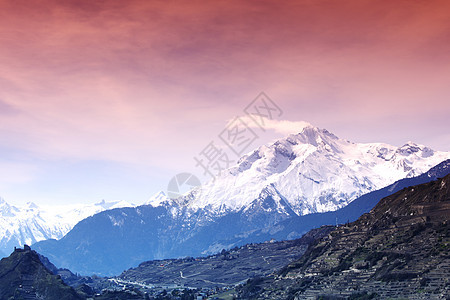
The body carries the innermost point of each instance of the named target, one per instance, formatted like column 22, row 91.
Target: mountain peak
column 120, row 204
column 315, row 171
column 31, row 205
column 411, row 148
column 311, row 135
column 7, row 210
column 23, row 276
column 31, row 223
column 114, row 204
column 103, row 202
column 157, row 199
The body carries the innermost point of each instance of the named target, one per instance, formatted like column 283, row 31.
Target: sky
column 111, row 99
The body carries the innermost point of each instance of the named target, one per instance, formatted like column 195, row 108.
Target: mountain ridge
column 191, row 226
column 294, row 227
column 23, row 276
column 30, row 223
column 300, row 166
column 397, row 250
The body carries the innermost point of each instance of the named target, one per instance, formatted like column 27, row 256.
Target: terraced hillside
column 227, row 268
column 400, row 250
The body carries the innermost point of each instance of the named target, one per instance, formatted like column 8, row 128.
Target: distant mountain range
column 30, row 223
column 400, row 250
column 310, row 172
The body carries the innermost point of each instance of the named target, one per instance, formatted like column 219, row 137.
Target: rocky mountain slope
column 30, row 223
column 26, row 274
column 23, row 276
column 298, row 225
column 313, row 171
column 398, row 250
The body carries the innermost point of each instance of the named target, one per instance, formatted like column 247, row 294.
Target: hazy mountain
column 30, row 223
column 313, row 171
column 398, row 250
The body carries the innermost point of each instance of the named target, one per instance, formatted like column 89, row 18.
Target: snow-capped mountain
column 30, row 223
column 313, row 171
column 157, row 199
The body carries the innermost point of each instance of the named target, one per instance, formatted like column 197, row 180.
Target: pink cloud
column 120, row 80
